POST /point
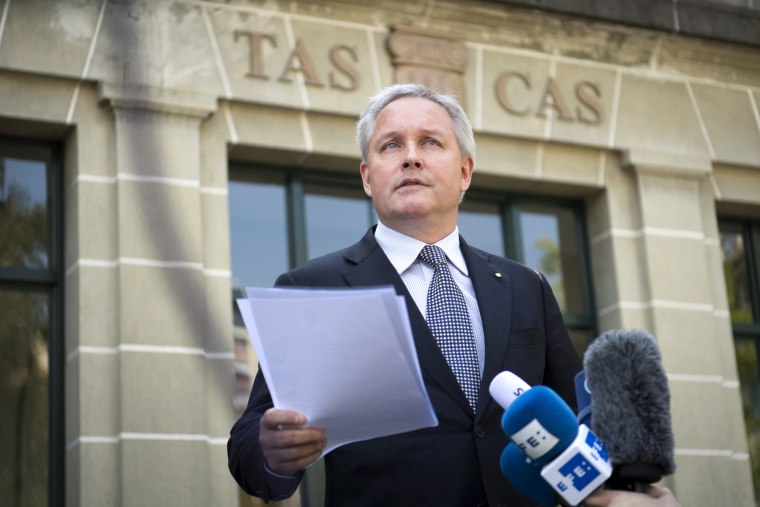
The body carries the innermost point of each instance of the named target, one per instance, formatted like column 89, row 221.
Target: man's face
column 414, row 171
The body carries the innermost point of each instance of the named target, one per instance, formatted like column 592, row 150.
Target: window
column 740, row 246
column 546, row 234
column 31, row 368
column 300, row 215
column 280, row 218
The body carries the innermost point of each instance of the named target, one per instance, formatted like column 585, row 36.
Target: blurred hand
column 287, row 444
column 654, row 497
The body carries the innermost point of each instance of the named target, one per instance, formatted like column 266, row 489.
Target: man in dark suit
column 417, row 151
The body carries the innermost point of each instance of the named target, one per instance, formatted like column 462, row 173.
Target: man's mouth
column 411, row 182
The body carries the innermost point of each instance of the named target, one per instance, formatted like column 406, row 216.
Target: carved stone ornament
column 433, row 59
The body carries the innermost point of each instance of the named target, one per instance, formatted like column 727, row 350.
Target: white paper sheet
column 344, row 358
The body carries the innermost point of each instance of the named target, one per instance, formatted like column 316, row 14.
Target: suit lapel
column 371, row 268
column 494, row 293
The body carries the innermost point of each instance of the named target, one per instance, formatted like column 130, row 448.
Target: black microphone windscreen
column 630, row 399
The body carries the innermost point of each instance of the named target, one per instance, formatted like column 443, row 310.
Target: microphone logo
column 580, row 469
column 578, row 472
column 534, row 439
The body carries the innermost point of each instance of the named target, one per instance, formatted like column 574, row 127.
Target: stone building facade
column 655, row 133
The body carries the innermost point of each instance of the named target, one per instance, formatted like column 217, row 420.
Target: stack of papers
column 345, row 358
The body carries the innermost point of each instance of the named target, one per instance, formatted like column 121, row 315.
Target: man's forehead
column 396, row 103
column 397, row 107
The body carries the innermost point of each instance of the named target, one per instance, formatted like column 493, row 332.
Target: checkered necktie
column 449, row 320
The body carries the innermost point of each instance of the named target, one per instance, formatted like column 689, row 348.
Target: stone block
column 158, row 145
column 94, row 305
column 161, row 306
column 159, row 222
column 163, row 393
column 93, row 475
column 272, row 128
column 588, row 93
column 676, row 270
column 150, row 474
column 670, row 202
column 342, row 77
column 36, row 98
column 696, row 477
column 94, row 231
column 730, row 123
column 689, row 341
column 513, row 88
column 95, row 378
column 657, row 114
column 255, row 48
column 574, row 165
column 501, row 157
column 48, row 37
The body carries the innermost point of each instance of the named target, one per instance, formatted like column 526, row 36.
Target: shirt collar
column 403, row 250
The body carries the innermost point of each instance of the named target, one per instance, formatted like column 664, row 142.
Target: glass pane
column 550, row 244
column 335, row 219
column 23, row 398
column 480, row 225
column 24, row 220
column 258, row 233
column 732, row 246
column 747, row 363
column 581, row 339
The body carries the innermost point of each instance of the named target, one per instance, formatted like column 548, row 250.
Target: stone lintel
column 667, row 163
column 160, row 100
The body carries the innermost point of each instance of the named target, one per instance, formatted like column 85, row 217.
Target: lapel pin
column 497, row 275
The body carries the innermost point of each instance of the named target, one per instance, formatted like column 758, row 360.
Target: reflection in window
column 334, row 219
column 258, row 233
column 740, row 244
column 549, row 241
column 747, row 365
column 23, row 213
column 480, row 225
column 24, row 398
column 736, row 273
column 31, row 396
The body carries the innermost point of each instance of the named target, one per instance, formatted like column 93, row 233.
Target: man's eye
column 432, row 141
column 390, row 145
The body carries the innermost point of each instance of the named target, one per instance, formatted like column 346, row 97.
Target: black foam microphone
column 630, row 403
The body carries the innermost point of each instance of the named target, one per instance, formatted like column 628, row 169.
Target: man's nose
column 412, row 157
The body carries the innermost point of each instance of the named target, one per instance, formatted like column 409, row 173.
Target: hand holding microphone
column 654, row 497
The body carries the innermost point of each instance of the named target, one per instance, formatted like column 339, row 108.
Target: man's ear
column 468, row 166
column 364, row 171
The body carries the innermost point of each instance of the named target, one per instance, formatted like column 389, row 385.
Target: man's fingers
column 300, row 437
column 287, row 444
column 293, row 466
column 275, row 418
column 293, row 450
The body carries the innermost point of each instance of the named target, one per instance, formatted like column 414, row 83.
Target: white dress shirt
column 403, row 251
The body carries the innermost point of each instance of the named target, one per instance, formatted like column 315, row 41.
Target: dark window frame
column 50, row 280
column 750, row 231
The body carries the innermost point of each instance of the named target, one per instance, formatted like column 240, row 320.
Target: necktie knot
column 433, row 255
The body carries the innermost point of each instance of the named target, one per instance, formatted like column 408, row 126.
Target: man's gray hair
column 365, row 127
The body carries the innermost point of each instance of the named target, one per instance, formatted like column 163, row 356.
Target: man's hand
column 288, row 446
column 654, row 497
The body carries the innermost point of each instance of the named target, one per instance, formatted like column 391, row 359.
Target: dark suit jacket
column 456, row 463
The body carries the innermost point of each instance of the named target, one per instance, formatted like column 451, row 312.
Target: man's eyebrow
column 396, row 133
